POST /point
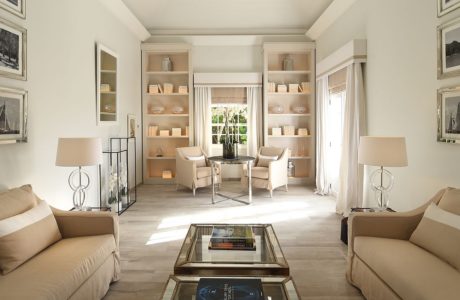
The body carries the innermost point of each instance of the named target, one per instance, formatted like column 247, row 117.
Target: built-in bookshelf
column 289, row 93
column 165, row 108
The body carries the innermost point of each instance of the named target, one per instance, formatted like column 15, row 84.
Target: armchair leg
column 286, row 187
column 177, row 187
column 194, row 192
column 271, row 193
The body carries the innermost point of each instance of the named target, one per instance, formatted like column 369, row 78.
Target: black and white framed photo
column 449, row 115
column 446, row 6
column 12, row 50
column 13, row 116
column 449, row 49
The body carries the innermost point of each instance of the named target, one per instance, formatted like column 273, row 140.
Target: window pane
column 243, row 129
column 214, row 129
column 243, row 139
column 214, row 139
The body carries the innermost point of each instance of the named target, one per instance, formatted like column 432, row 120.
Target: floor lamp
column 79, row 152
column 382, row 152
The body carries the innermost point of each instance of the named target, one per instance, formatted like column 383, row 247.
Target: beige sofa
column 385, row 265
column 79, row 266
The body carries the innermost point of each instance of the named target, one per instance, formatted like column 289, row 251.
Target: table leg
column 212, row 181
column 249, row 181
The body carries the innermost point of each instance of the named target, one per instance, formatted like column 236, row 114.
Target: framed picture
column 132, row 125
column 445, row 6
column 449, row 115
column 12, row 50
column 13, row 116
column 449, row 49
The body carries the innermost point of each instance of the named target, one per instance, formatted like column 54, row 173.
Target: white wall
column 401, row 88
column 61, row 85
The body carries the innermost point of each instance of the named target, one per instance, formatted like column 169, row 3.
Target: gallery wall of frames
column 13, row 65
column 448, row 102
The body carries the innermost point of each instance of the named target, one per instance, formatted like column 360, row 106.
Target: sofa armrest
column 86, row 223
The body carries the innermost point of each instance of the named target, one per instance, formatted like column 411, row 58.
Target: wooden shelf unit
column 152, row 73
column 302, row 147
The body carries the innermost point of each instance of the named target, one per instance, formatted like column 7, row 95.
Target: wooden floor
column 151, row 234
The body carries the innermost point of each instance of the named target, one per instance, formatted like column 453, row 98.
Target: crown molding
column 225, row 31
column 124, row 14
column 333, row 12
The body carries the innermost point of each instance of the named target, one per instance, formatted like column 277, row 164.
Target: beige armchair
column 269, row 175
column 194, row 173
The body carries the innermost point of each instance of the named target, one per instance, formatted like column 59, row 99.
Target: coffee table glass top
column 195, row 257
column 184, row 287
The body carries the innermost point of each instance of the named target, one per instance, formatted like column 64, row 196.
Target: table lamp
column 382, row 152
column 79, row 152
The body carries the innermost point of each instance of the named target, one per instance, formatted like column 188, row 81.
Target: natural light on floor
column 268, row 213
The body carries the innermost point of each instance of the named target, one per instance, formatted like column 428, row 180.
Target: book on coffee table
column 232, row 237
column 229, row 289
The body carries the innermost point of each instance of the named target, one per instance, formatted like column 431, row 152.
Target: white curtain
column 254, row 100
column 351, row 173
column 322, row 87
column 202, row 116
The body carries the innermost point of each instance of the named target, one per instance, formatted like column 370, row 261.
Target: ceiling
column 227, row 15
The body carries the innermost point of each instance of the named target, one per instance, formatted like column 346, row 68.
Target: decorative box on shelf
column 302, row 131
column 271, row 87
column 282, row 88
column 276, row 131
column 176, row 132
column 168, row 88
column 167, row 174
column 293, row 88
column 305, row 87
column 183, row 89
column 288, row 130
column 164, row 132
column 153, row 89
column 105, row 87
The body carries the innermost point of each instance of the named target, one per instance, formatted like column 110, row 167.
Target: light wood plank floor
column 151, row 234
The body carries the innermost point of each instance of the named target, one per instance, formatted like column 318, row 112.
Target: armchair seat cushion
column 409, row 270
column 259, row 172
column 60, row 270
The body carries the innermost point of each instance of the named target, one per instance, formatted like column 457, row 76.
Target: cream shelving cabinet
column 159, row 151
column 287, row 65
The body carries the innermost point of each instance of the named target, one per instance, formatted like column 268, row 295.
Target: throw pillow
column 25, row 235
column 439, row 233
column 200, row 160
column 16, row 201
column 264, row 161
column 450, row 201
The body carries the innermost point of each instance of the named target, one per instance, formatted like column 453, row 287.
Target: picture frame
column 448, row 115
column 13, row 50
column 131, row 125
column 16, row 7
column 13, row 115
column 446, row 6
column 449, row 49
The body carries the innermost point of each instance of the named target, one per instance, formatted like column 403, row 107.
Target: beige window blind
column 234, row 95
column 338, row 81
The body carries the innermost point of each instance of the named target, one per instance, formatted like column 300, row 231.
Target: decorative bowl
column 157, row 109
column 300, row 109
column 177, row 109
column 277, row 109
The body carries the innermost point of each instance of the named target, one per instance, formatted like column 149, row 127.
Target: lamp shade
column 382, row 151
column 78, row 152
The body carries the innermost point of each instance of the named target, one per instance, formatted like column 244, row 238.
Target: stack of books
column 232, row 237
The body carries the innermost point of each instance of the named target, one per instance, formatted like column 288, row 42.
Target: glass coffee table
column 196, row 259
column 275, row 288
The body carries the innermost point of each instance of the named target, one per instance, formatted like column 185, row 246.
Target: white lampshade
column 382, row 151
column 79, row 152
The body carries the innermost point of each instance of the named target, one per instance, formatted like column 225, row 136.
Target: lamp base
column 383, row 187
column 79, row 189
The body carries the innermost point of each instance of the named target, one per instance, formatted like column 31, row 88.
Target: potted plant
column 113, row 202
column 230, row 145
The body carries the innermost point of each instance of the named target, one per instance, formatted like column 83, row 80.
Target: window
column 238, row 127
